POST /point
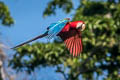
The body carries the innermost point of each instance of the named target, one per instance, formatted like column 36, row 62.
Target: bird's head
column 81, row 25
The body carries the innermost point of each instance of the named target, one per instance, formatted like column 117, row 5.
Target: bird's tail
column 40, row 36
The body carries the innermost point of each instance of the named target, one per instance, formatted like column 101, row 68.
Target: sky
column 29, row 22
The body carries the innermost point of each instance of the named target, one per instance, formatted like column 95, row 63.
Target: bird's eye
column 80, row 26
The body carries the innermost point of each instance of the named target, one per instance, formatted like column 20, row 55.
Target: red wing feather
column 73, row 41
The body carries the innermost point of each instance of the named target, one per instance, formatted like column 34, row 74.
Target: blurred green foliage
column 6, row 20
column 5, row 16
column 66, row 5
column 101, row 42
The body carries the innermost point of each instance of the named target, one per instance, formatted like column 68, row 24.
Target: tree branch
column 62, row 72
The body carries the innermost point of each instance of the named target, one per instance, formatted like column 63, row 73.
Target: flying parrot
column 69, row 32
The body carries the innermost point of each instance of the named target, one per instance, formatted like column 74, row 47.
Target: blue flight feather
column 55, row 28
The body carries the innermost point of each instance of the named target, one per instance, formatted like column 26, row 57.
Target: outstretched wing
column 73, row 41
column 55, row 28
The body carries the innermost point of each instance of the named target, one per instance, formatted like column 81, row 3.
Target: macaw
column 69, row 32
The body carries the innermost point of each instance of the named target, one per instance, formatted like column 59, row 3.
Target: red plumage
column 71, row 25
column 72, row 37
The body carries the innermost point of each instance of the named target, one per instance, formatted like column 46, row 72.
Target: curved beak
column 82, row 27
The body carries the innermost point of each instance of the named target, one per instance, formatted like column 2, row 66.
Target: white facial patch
column 79, row 25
